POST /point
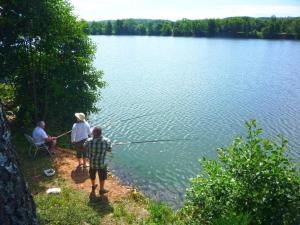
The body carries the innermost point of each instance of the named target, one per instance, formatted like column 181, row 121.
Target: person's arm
column 86, row 147
column 73, row 134
column 89, row 129
column 44, row 135
column 50, row 138
column 109, row 148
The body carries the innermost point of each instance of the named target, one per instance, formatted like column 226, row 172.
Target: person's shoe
column 103, row 191
column 94, row 187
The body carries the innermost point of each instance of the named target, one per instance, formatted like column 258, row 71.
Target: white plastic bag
column 53, row 191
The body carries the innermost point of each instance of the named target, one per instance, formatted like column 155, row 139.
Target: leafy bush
column 252, row 176
column 160, row 214
column 233, row 219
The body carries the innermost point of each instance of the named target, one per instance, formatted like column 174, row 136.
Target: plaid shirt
column 96, row 151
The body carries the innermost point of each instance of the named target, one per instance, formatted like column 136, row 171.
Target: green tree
column 118, row 27
column 185, row 26
column 141, row 29
column 252, row 176
column 296, row 29
column 108, row 28
column 94, row 28
column 86, row 27
column 211, row 28
column 199, row 28
column 129, row 26
column 48, row 59
column 156, row 28
column 166, row 29
column 176, row 29
column 271, row 28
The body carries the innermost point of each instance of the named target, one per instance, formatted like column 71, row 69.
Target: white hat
column 80, row 116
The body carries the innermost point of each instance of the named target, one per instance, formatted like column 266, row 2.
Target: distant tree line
column 236, row 27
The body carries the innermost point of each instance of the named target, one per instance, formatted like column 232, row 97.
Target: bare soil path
column 78, row 177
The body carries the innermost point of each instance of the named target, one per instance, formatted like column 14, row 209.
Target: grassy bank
column 75, row 206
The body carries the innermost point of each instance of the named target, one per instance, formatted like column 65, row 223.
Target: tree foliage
column 236, row 27
column 252, row 176
column 47, row 58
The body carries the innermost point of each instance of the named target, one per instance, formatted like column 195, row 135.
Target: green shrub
column 233, row 219
column 252, row 176
column 160, row 214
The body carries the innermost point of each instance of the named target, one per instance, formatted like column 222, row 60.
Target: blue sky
column 178, row 9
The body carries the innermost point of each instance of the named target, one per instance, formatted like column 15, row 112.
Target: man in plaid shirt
column 96, row 152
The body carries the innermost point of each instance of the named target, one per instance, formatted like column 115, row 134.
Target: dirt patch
column 78, row 177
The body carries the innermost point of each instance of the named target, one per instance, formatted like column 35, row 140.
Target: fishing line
column 154, row 141
column 110, row 124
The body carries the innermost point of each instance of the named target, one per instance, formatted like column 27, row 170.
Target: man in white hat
column 80, row 132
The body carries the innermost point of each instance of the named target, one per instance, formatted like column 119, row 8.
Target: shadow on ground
column 100, row 204
column 80, row 175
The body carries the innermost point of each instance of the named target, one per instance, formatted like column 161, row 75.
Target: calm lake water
column 197, row 88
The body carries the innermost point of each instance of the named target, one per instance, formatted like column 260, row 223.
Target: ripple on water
column 187, row 97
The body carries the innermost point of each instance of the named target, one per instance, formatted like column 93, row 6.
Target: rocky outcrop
column 16, row 203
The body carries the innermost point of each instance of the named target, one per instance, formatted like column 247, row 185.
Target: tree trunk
column 16, row 203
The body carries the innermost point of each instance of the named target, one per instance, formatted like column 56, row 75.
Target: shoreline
column 174, row 203
column 66, row 164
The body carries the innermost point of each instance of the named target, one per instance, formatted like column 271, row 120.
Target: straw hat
column 80, row 116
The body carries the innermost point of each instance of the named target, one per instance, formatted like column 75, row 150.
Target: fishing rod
column 154, row 141
column 142, row 142
column 106, row 125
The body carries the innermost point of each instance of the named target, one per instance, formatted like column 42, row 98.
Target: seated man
column 40, row 136
column 96, row 151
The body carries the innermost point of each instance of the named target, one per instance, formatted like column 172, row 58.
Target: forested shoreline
column 234, row 27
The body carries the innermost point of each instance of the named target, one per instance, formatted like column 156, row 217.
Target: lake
column 191, row 88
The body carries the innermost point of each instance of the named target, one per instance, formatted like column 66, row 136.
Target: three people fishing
column 94, row 148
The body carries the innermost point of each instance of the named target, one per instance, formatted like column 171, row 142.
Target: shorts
column 80, row 150
column 102, row 173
